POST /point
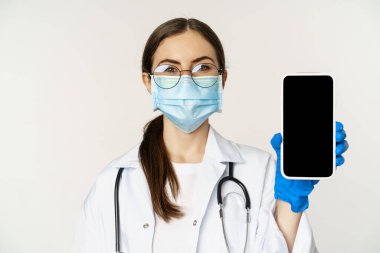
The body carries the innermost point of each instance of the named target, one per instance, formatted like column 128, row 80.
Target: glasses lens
column 166, row 76
column 205, row 74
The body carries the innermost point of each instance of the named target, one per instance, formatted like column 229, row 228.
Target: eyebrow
column 195, row 60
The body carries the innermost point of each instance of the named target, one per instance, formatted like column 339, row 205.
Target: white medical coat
column 254, row 167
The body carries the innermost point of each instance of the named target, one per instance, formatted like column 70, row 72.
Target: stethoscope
column 220, row 203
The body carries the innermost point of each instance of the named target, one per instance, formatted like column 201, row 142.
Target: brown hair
column 153, row 154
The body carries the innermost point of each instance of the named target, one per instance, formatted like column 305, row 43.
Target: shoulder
column 127, row 160
column 102, row 189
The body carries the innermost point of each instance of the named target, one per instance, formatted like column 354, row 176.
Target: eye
column 166, row 69
column 202, row 68
column 170, row 69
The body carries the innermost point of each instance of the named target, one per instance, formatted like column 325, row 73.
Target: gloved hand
column 296, row 192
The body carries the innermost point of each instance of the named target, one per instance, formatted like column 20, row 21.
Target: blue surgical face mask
column 187, row 105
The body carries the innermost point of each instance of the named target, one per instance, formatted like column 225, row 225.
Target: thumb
column 276, row 142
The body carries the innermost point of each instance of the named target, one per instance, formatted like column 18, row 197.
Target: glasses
column 204, row 75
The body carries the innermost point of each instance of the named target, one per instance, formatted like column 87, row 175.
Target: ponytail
column 158, row 170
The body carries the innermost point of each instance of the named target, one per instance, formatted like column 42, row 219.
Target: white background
column 72, row 99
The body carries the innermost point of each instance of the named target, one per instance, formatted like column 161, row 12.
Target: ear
column 146, row 81
column 224, row 78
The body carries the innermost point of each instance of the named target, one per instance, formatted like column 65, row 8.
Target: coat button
column 194, row 222
column 146, row 225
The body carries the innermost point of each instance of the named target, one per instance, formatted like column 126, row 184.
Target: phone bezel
column 282, row 125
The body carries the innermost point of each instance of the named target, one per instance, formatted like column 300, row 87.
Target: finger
column 340, row 136
column 339, row 160
column 341, row 147
column 276, row 141
column 338, row 126
column 314, row 182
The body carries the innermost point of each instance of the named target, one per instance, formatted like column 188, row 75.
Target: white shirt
column 174, row 236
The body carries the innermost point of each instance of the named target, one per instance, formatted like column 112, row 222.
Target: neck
column 183, row 147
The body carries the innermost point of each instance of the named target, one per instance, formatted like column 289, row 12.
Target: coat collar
column 218, row 149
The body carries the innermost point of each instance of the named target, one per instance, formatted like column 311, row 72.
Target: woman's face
column 183, row 51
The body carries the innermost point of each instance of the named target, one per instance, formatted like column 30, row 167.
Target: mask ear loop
column 154, row 93
column 220, row 90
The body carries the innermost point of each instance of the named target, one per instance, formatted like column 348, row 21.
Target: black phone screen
column 308, row 126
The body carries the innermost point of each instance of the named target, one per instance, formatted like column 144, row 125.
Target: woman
column 168, row 190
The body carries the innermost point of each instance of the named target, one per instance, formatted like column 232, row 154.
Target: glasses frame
column 220, row 72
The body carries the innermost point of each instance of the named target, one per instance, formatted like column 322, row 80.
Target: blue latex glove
column 296, row 192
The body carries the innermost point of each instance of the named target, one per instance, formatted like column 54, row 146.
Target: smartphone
column 308, row 126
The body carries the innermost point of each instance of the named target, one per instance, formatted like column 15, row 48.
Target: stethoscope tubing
column 117, row 216
column 231, row 177
column 219, row 199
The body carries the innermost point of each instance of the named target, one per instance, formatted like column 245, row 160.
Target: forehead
column 184, row 48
